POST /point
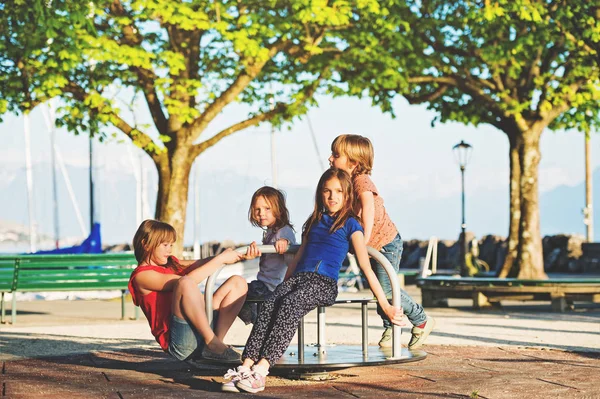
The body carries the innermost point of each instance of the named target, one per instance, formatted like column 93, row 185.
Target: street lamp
column 462, row 154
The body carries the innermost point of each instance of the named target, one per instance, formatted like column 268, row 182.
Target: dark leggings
column 280, row 314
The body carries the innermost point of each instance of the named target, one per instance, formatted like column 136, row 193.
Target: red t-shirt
column 156, row 305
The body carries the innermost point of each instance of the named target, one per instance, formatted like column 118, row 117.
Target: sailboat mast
column 314, row 141
column 273, row 157
column 49, row 117
column 91, row 178
column 196, row 177
column 588, row 210
column 29, row 173
column 273, row 148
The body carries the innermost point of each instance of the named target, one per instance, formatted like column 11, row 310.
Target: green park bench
column 42, row 273
column 435, row 290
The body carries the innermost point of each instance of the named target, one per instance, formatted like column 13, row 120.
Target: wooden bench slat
column 504, row 281
column 58, row 265
column 74, row 272
column 435, row 290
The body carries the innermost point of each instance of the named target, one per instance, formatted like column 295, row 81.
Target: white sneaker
column 234, row 375
column 254, row 382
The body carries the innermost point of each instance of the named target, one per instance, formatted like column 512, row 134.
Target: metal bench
column 340, row 356
column 38, row 273
column 435, row 290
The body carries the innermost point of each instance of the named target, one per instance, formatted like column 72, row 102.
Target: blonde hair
column 346, row 210
column 357, row 149
column 276, row 200
column 149, row 236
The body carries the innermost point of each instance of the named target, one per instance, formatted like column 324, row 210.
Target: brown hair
column 358, row 149
column 276, row 199
column 344, row 213
column 149, row 236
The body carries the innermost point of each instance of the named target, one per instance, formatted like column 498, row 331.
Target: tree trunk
column 530, row 257
column 507, row 269
column 173, row 179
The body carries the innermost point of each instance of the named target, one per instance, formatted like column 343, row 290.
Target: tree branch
column 229, row 95
column 308, row 93
column 429, row 97
column 199, row 148
column 136, row 135
column 132, row 37
column 470, row 89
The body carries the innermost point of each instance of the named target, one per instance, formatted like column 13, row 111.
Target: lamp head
column 462, row 153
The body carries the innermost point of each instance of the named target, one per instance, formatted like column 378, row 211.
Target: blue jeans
column 184, row 341
column 256, row 290
column 413, row 311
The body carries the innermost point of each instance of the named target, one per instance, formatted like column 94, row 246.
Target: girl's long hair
column 276, row 199
column 344, row 213
column 149, row 236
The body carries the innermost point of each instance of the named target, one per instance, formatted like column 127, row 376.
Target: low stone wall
column 562, row 254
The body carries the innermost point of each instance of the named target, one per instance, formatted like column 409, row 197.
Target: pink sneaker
column 234, row 375
column 253, row 382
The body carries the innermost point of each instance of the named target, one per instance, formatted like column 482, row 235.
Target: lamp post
column 462, row 154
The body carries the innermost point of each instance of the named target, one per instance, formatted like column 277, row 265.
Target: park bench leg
column 3, row 311
column 364, row 310
column 559, row 302
column 480, row 300
column 301, row 341
column 122, row 304
column 321, row 330
column 13, row 311
column 429, row 300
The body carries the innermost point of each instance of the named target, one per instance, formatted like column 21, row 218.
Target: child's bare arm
column 360, row 249
column 194, row 263
column 284, row 238
column 367, row 216
column 150, row 280
column 226, row 257
column 281, row 245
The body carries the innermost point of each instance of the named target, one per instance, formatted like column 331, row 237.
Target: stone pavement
column 79, row 349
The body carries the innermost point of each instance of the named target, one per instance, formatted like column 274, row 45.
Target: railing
column 430, row 257
column 378, row 256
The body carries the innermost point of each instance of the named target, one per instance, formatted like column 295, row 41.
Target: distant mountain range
column 224, row 202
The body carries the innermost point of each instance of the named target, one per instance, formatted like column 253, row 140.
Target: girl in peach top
column 354, row 154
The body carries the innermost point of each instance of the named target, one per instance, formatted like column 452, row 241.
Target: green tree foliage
column 36, row 50
column 504, row 63
column 578, row 22
column 188, row 60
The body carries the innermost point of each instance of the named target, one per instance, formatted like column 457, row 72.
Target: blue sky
column 413, row 163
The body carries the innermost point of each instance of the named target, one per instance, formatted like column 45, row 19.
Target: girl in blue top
column 310, row 281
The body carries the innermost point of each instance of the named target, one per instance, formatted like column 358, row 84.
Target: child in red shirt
column 166, row 289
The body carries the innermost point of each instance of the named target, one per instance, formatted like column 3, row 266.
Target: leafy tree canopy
column 502, row 63
column 36, row 50
column 188, row 60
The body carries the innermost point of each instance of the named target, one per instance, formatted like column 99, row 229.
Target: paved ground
column 79, row 349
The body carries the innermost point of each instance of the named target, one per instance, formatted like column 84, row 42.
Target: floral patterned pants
column 280, row 314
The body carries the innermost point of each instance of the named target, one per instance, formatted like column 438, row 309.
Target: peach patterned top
column 384, row 230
